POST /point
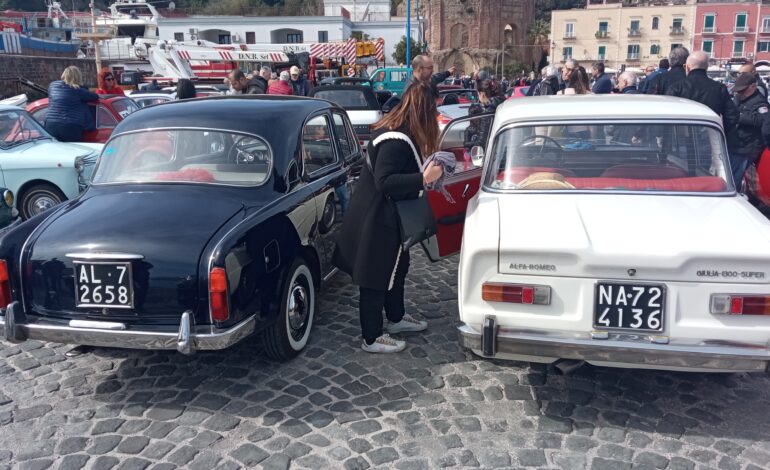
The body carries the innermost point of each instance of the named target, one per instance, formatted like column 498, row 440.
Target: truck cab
column 391, row 79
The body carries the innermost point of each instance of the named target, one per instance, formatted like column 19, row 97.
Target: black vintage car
column 206, row 221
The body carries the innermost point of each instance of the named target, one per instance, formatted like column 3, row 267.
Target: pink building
column 732, row 30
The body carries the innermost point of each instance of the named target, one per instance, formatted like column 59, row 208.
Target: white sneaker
column 384, row 344
column 408, row 323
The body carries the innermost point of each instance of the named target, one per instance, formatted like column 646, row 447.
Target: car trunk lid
column 165, row 232
column 634, row 237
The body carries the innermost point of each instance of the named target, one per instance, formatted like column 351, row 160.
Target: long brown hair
column 578, row 79
column 417, row 112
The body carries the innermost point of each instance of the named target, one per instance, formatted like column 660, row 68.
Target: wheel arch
column 28, row 184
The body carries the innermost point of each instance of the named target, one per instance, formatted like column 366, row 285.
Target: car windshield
column 347, row 99
column 17, row 127
column 183, row 156
column 124, row 107
column 640, row 156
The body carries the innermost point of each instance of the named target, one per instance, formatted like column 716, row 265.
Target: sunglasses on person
column 109, row 78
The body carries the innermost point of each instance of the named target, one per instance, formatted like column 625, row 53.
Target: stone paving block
column 74, row 462
column 249, row 455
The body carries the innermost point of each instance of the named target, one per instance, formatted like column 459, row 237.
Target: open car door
column 462, row 137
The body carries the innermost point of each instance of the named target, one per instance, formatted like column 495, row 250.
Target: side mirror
column 477, row 155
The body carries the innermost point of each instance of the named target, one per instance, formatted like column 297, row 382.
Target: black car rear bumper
column 187, row 339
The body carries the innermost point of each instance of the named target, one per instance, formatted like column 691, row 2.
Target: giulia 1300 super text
column 607, row 229
column 206, row 221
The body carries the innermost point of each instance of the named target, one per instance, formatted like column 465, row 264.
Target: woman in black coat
column 369, row 244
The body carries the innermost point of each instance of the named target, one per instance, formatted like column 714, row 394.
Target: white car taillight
column 740, row 304
column 516, row 293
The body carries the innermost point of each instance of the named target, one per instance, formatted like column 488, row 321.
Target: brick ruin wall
column 41, row 70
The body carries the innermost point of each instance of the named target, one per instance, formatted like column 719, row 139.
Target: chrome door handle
column 465, row 191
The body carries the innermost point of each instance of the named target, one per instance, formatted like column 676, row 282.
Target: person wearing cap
column 299, row 84
column 753, row 110
column 281, row 86
column 751, row 69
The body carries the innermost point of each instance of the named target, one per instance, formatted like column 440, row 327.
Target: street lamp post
column 508, row 28
column 408, row 32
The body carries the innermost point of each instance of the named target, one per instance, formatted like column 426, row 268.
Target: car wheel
column 38, row 199
column 285, row 338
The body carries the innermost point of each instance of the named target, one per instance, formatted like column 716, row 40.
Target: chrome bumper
column 15, row 328
column 614, row 349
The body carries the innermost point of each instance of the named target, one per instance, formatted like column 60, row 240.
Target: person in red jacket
column 281, row 86
column 108, row 84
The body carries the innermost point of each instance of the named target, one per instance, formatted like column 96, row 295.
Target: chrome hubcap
column 43, row 203
column 298, row 309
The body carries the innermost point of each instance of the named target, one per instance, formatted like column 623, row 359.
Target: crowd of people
column 265, row 81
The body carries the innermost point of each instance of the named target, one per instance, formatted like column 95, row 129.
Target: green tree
column 400, row 53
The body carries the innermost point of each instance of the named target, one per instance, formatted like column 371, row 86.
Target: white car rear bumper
column 614, row 349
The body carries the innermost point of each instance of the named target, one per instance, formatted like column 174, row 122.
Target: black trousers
column 372, row 301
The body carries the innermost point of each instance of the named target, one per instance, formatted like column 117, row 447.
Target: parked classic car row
column 588, row 232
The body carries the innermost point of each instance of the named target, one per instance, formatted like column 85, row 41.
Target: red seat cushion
column 190, row 174
column 519, row 173
column 707, row 184
column 657, row 172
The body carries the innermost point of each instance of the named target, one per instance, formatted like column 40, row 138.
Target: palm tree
column 538, row 35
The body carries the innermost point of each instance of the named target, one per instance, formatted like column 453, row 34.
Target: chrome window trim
column 152, row 129
column 487, row 158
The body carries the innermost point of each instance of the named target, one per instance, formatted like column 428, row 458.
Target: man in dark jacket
column 422, row 70
column 627, row 83
column 244, row 86
column 663, row 67
column 660, row 84
column 299, row 84
column 699, row 87
column 602, row 81
column 749, row 68
column 753, row 114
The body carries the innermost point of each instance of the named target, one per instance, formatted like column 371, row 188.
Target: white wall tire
column 288, row 336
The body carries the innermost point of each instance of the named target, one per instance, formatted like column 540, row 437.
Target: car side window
column 317, row 147
column 40, row 115
column 104, row 118
column 348, row 143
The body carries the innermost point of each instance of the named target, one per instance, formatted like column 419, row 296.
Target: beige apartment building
column 635, row 35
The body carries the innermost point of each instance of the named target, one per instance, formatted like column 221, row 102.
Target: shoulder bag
column 415, row 216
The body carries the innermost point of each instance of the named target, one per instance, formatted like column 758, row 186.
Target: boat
column 134, row 30
column 48, row 34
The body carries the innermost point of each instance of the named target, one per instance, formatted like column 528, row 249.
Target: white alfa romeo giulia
column 607, row 229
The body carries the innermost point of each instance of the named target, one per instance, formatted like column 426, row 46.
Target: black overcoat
column 369, row 242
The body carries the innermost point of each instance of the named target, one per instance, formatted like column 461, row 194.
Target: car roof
column 368, row 92
column 278, row 119
column 604, row 107
column 455, row 111
column 7, row 107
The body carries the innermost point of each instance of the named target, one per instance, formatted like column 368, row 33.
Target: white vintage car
column 607, row 230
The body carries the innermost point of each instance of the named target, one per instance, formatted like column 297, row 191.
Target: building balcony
column 565, row 58
column 743, row 30
column 764, row 31
column 602, row 34
column 677, row 31
column 634, row 32
column 632, row 58
column 711, row 30
column 569, row 36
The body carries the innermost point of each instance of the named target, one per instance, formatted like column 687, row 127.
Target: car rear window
column 346, row 99
column 669, row 157
column 185, row 156
column 124, row 107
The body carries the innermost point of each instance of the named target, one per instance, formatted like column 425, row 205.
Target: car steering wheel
column 558, row 151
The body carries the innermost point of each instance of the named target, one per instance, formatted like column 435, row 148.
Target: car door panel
column 458, row 137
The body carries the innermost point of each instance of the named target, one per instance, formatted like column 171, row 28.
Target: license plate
column 637, row 307
column 104, row 284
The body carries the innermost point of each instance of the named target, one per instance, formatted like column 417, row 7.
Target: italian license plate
column 637, row 307
column 104, row 284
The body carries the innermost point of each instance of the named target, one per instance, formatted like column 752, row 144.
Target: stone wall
column 469, row 34
column 41, row 70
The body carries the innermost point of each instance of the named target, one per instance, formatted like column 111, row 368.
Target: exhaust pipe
column 568, row 366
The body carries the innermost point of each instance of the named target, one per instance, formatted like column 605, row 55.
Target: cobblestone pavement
column 432, row 406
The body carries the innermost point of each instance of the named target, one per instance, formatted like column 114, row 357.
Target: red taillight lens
column 443, row 119
column 738, row 304
column 5, row 285
column 516, row 293
column 218, row 295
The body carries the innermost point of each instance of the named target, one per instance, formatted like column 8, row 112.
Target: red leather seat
column 519, row 173
column 709, row 184
column 644, row 172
